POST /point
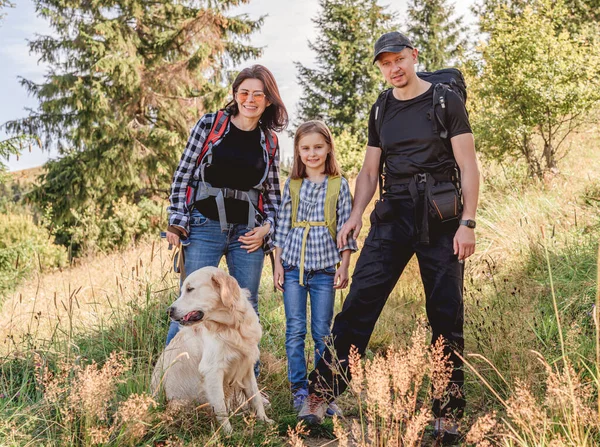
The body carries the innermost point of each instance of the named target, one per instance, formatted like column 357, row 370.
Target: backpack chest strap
column 220, row 194
column 306, row 225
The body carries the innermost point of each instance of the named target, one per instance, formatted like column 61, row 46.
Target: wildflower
column 481, row 430
column 135, row 415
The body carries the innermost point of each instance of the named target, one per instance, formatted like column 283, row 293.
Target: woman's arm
column 272, row 197
column 178, row 211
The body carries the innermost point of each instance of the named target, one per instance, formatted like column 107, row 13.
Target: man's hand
column 464, row 242
column 352, row 225
column 253, row 239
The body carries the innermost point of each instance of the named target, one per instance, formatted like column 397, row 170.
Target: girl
column 225, row 192
column 306, row 252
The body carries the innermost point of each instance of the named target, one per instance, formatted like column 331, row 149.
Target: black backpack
column 442, row 80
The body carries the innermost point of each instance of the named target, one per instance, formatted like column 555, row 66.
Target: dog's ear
column 229, row 289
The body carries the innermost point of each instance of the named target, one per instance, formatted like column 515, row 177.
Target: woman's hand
column 253, row 239
column 173, row 238
column 278, row 276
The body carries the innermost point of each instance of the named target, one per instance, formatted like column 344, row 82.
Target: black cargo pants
column 392, row 241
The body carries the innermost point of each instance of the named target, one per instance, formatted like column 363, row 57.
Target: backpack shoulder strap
column 271, row 145
column 334, row 184
column 439, row 108
column 216, row 132
column 295, row 185
column 380, row 106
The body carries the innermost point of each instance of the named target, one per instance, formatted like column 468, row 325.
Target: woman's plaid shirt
column 189, row 170
column 321, row 249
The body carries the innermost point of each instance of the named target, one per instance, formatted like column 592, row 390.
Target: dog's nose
column 170, row 311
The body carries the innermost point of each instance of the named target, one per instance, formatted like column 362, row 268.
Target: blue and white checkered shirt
column 188, row 169
column 321, row 250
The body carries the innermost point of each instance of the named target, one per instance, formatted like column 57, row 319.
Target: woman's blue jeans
column 319, row 284
column 208, row 244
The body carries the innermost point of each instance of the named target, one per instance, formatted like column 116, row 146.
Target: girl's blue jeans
column 208, row 244
column 319, row 284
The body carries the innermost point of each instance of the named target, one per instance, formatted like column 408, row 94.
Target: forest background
column 84, row 278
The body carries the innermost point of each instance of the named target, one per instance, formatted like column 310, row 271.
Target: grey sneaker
column 333, row 410
column 446, row 431
column 313, row 410
column 298, row 398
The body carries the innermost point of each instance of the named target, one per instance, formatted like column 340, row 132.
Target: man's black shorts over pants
column 392, row 241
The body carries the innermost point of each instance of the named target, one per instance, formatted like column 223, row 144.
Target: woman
column 225, row 193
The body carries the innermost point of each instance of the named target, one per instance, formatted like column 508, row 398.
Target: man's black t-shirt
column 407, row 134
column 238, row 162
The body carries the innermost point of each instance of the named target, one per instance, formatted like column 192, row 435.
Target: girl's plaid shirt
column 189, row 170
column 321, row 250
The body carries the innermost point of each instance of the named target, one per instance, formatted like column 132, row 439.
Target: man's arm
column 366, row 184
column 463, row 147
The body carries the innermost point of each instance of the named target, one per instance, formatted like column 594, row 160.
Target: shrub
column 25, row 247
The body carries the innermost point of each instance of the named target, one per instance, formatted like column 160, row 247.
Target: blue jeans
column 207, row 246
column 319, row 284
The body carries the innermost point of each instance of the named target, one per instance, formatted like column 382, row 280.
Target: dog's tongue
column 192, row 316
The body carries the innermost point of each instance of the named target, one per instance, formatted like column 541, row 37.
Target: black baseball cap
column 393, row 42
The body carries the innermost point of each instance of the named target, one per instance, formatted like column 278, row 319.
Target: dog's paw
column 267, row 420
column 227, row 428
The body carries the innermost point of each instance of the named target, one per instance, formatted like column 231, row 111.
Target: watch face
column 468, row 223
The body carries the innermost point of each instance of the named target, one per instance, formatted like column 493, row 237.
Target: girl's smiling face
column 313, row 150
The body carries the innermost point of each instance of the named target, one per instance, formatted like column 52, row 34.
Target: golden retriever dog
column 212, row 357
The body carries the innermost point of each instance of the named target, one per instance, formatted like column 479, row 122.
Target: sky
column 284, row 36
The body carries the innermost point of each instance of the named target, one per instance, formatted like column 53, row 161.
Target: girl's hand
column 340, row 280
column 253, row 239
column 278, row 276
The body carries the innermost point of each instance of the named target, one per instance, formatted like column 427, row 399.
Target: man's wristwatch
column 468, row 223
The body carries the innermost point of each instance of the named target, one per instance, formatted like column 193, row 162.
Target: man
column 411, row 146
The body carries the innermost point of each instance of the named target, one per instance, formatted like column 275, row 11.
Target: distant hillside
column 26, row 176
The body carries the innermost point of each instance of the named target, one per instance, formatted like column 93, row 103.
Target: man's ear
column 228, row 289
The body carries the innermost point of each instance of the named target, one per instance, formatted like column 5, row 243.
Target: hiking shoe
column 313, row 410
column 298, row 398
column 446, row 431
column 333, row 410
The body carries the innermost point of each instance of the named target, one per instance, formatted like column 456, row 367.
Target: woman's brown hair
column 275, row 116
column 331, row 165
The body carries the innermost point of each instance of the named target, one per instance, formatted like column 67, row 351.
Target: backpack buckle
column 421, row 178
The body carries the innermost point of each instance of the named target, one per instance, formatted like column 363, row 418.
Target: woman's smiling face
column 250, row 98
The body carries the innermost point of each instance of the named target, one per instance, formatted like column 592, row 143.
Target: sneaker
column 313, row 410
column 298, row 398
column 333, row 410
column 446, row 430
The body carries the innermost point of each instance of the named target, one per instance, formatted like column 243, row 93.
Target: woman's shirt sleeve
column 284, row 217
column 344, row 207
column 178, row 210
column 273, row 193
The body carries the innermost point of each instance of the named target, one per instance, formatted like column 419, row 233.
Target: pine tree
column 344, row 85
column 436, row 32
column 5, row 4
column 127, row 80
